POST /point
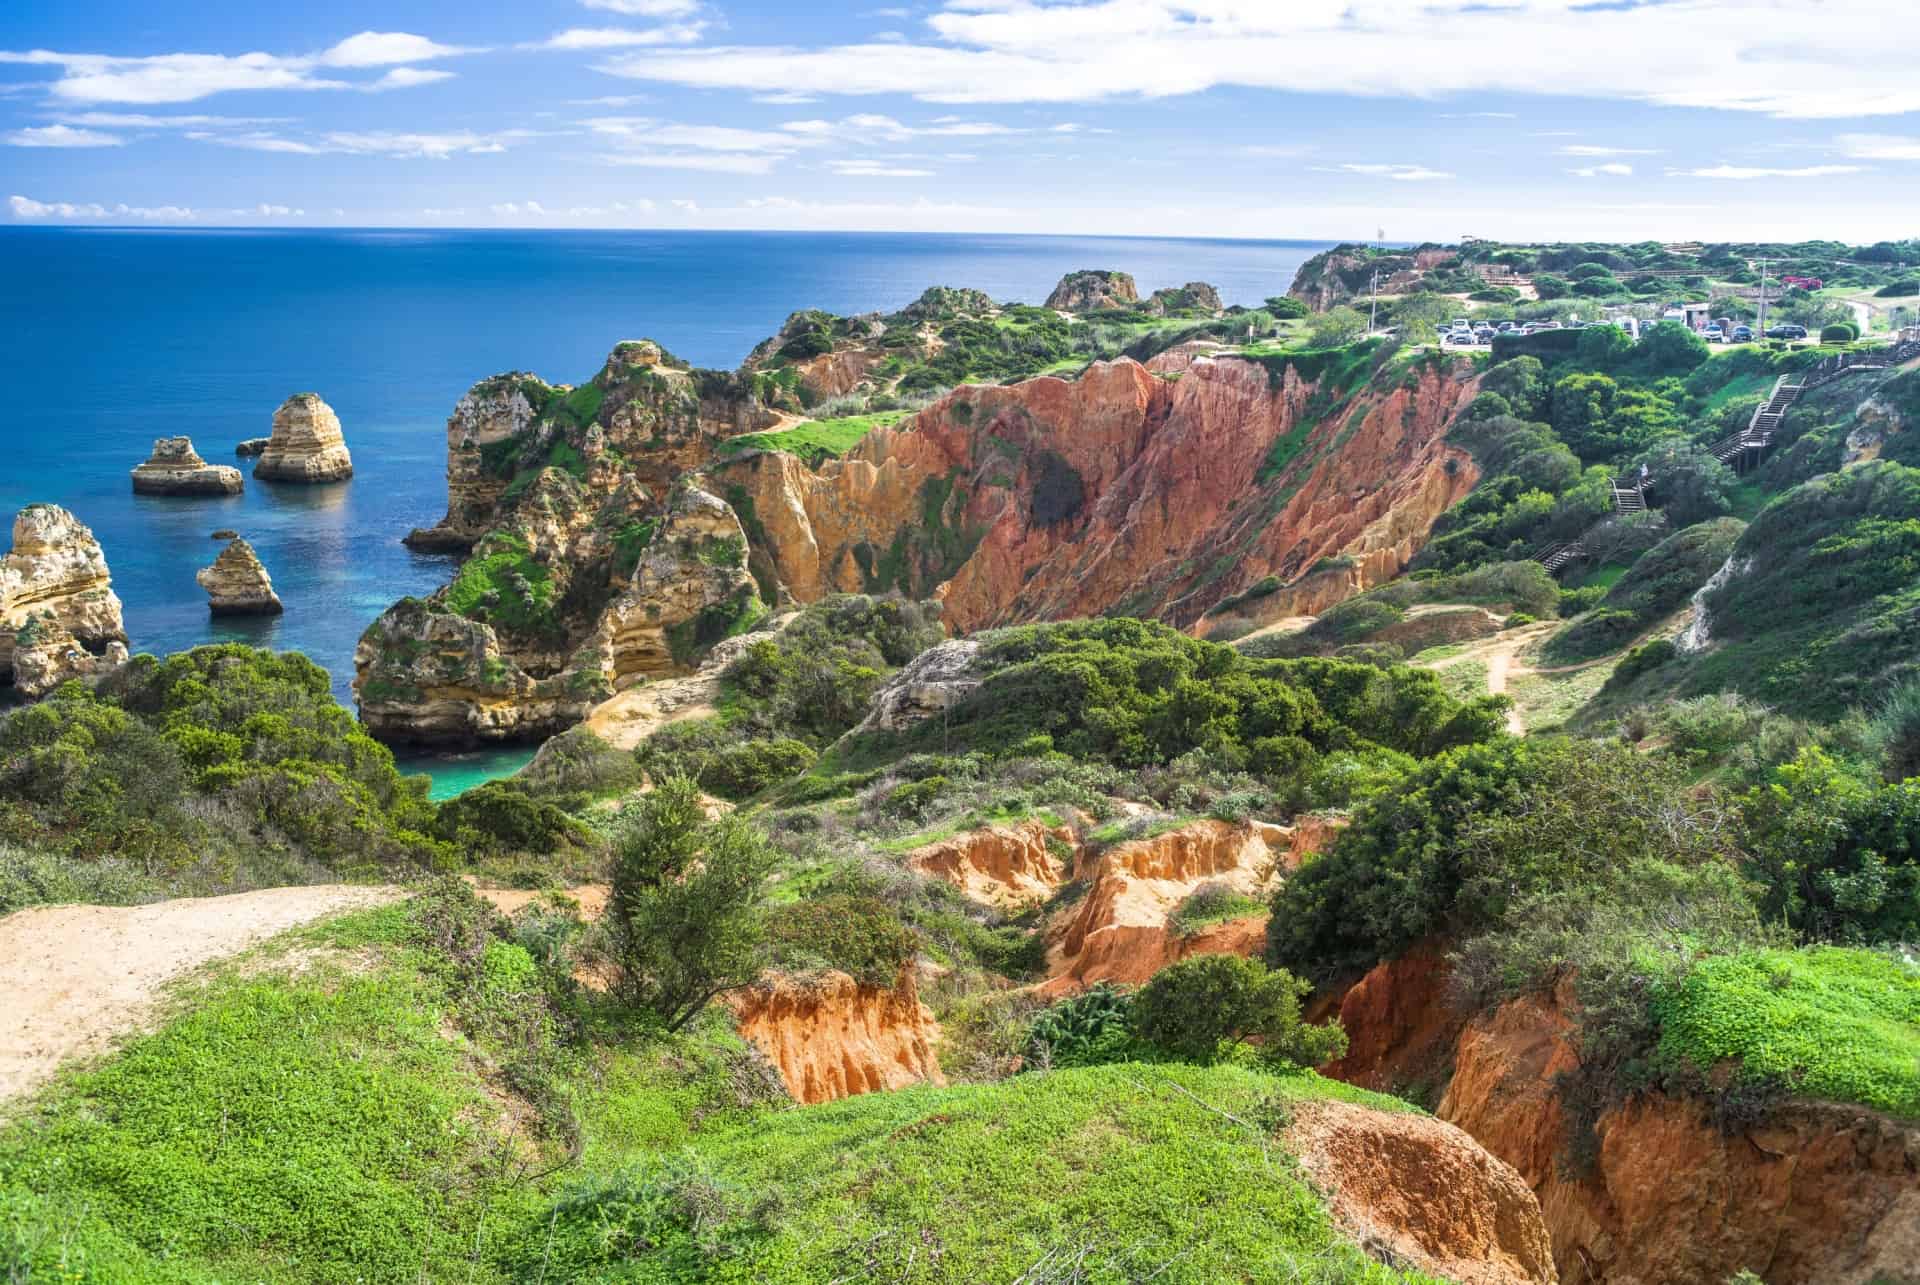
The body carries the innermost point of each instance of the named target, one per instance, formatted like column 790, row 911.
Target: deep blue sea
column 110, row 338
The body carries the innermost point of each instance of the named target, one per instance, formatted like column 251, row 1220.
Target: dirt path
column 79, row 977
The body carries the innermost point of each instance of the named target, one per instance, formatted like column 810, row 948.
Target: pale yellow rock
column 175, row 468
column 238, row 585
column 55, row 590
column 307, row 445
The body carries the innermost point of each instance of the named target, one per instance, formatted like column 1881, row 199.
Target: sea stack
column 306, row 445
column 175, row 468
column 238, row 585
column 59, row 617
column 252, row 447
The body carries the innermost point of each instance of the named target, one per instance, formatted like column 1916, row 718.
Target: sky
column 1334, row 119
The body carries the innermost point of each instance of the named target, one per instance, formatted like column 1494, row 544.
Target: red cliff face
column 1816, row 1193
column 833, row 1037
column 1121, row 492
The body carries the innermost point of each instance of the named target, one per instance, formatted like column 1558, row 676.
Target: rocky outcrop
column 1121, row 493
column 237, row 585
column 1425, row 1192
column 1001, row 865
column 690, row 591
column 494, row 413
column 175, row 468
column 631, row 715
column 252, row 447
column 832, row 1037
column 306, row 446
column 1119, row 931
column 1401, row 1030
column 1336, row 276
column 56, row 602
column 934, row 681
column 1197, row 295
column 1093, row 290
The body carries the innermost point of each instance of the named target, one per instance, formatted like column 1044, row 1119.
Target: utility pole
column 1763, row 299
column 1373, row 311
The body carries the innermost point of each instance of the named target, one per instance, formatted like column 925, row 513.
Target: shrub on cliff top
column 860, row 936
column 1200, row 1009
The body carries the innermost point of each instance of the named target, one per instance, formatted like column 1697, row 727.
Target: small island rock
column 251, row 447
column 226, row 533
column 306, row 445
column 237, row 585
column 175, row 468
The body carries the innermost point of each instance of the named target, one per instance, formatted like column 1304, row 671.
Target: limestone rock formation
column 934, row 681
column 832, row 1037
column 175, row 468
column 55, row 590
column 1093, row 290
column 1425, row 1191
column 306, row 445
column 237, row 585
column 226, row 533
column 1195, row 294
column 252, row 447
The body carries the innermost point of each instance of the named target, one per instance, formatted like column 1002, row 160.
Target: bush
column 1200, row 1008
column 1518, row 620
column 742, row 771
column 859, row 935
column 499, row 817
column 1838, row 334
column 1092, row 1028
column 813, row 680
column 683, row 916
column 1210, row 903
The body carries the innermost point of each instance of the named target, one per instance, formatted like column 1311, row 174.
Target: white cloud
column 60, row 136
column 385, row 48
column 717, row 149
column 1879, row 147
column 1398, row 173
column 866, row 126
column 1768, row 56
column 1277, row 151
column 139, row 120
column 259, row 141
column 392, row 143
column 1752, row 172
column 786, row 98
column 512, row 208
column 406, row 78
column 24, row 207
column 647, row 8
column 876, row 169
column 1589, row 149
column 712, row 163
column 620, row 37
column 1610, row 170
column 185, row 77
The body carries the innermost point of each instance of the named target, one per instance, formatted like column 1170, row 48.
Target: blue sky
column 1268, row 118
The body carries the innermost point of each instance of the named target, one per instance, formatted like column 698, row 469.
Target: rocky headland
column 1094, row 290
column 306, row 446
column 175, row 468
column 59, row 616
column 237, row 584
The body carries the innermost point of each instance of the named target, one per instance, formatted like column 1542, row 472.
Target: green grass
column 1211, row 905
column 503, row 578
column 1601, row 577
column 981, row 1182
column 816, row 440
column 1464, row 679
column 1837, row 1024
column 998, row 815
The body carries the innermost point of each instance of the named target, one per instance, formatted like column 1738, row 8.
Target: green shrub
column 1200, row 1008
column 500, row 817
column 1210, row 903
column 1518, row 620
column 1838, row 334
column 859, row 935
column 1093, row 1028
column 742, row 771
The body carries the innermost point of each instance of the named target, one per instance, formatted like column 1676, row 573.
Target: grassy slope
column 324, row 1124
column 818, row 439
column 1833, row 1023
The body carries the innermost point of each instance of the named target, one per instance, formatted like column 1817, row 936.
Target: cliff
column 306, row 445
column 237, row 584
column 175, row 468
column 1337, row 276
column 1121, row 492
column 1807, row 1194
column 59, row 616
column 1095, row 290
column 832, row 1037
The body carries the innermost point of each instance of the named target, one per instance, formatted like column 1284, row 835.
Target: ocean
column 113, row 337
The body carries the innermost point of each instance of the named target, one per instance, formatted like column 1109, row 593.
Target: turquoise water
column 457, row 773
column 113, row 337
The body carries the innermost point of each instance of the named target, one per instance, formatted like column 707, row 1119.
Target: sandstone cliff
column 56, row 602
column 1813, row 1193
column 306, row 446
column 175, row 468
column 832, row 1037
column 237, row 584
column 1122, row 493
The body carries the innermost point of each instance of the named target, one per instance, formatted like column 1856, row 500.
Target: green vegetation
column 501, row 585
column 1210, row 903
column 1657, row 585
column 815, row 441
column 1200, row 1008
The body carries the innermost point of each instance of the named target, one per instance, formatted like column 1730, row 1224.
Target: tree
column 1202, row 1007
column 1603, row 348
column 1689, row 484
column 1602, row 420
column 1669, row 348
column 1547, row 286
column 684, row 912
column 1285, row 308
column 1419, row 317
column 1522, row 381
column 1336, row 327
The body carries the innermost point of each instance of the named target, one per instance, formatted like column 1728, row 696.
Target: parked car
column 1714, row 335
column 1743, row 334
column 1508, row 327
column 1460, row 323
column 1787, row 331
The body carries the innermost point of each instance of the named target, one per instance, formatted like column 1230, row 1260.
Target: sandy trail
column 79, row 977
